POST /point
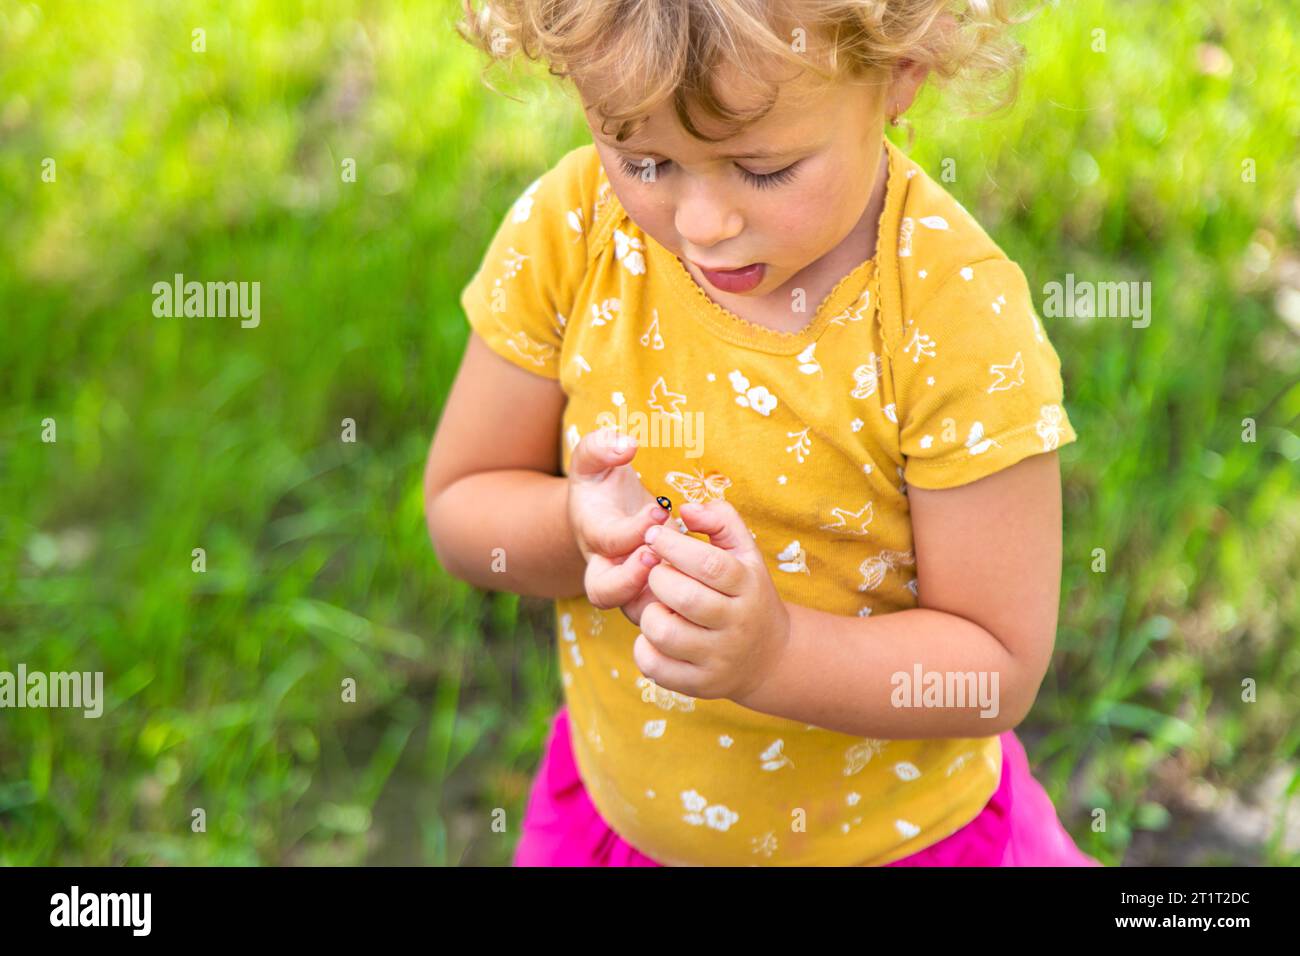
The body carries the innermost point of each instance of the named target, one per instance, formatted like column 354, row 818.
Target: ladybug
column 664, row 503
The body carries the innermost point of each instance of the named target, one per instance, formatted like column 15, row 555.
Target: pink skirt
column 562, row 828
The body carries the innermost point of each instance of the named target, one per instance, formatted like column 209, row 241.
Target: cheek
column 821, row 204
column 807, row 211
column 652, row 213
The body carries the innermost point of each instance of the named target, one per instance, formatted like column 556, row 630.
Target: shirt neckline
column 730, row 327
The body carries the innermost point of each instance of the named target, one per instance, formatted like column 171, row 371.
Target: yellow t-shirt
column 925, row 365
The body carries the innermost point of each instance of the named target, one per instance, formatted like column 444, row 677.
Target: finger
column 620, row 535
column 613, row 582
column 696, row 602
column 719, row 519
column 634, row 608
column 664, row 671
column 599, row 451
column 674, row 636
column 705, row 562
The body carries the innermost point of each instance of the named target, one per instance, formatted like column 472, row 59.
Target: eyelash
column 757, row 180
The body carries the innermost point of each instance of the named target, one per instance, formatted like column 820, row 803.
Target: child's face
column 701, row 205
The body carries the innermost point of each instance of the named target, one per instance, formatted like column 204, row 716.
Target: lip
column 741, row 279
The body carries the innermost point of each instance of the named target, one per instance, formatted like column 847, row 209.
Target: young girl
column 837, row 382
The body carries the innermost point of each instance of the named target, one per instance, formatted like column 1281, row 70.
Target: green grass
column 174, row 434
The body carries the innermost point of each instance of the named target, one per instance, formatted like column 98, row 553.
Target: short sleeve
column 519, row 299
column 977, row 382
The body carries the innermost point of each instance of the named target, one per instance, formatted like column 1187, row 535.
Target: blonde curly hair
column 637, row 53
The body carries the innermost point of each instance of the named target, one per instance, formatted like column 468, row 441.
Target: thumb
column 719, row 519
column 598, row 451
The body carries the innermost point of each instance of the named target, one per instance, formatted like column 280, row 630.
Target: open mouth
column 735, row 280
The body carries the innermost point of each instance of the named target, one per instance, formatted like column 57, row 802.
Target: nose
column 705, row 218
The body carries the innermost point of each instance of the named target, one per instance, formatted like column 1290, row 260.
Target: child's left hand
column 718, row 627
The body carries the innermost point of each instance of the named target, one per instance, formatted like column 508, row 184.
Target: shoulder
column 940, row 246
column 537, row 260
column 572, row 198
column 567, row 187
column 581, row 173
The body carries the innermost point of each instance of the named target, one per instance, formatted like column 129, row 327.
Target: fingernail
column 651, row 533
column 658, row 513
column 649, row 558
column 623, row 443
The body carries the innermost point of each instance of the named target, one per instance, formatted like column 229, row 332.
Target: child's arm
column 974, row 361
column 493, row 480
column 989, row 568
column 989, row 572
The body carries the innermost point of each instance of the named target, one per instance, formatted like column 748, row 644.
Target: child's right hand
column 609, row 512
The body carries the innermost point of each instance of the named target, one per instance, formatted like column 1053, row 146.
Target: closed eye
column 635, row 170
column 758, row 180
column 768, row 180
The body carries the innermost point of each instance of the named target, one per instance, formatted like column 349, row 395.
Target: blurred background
column 1168, row 155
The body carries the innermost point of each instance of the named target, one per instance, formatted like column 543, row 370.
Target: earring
column 894, row 120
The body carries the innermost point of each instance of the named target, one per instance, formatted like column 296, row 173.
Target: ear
column 904, row 84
